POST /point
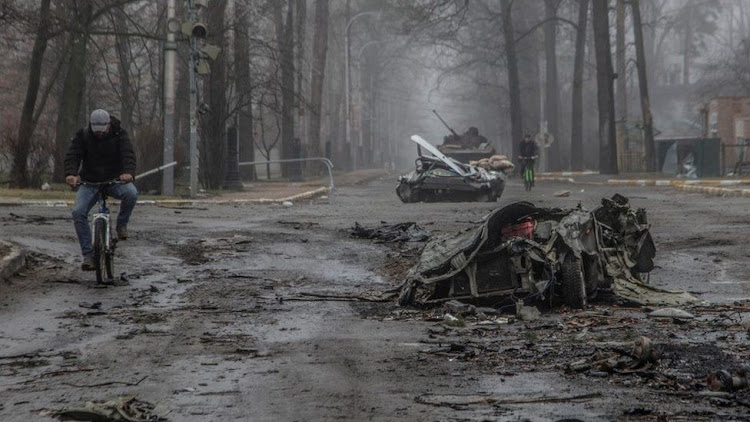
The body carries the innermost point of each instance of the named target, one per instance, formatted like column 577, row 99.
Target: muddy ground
column 262, row 313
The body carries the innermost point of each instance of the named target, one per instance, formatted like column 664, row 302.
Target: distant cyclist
column 529, row 153
column 100, row 152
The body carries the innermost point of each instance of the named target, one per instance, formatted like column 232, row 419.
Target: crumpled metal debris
column 642, row 356
column 121, row 409
column 524, row 250
column 401, row 232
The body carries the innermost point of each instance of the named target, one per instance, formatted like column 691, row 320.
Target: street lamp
column 353, row 154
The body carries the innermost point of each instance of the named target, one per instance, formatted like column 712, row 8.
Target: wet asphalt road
column 222, row 318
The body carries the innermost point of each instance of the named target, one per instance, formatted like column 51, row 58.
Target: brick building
column 728, row 118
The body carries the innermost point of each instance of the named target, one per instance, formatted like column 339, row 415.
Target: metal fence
column 735, row 159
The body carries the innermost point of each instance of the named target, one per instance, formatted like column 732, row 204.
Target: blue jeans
column 86, row 199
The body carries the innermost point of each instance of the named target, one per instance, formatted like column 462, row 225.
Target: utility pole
column 193, row 108
column 170, row 47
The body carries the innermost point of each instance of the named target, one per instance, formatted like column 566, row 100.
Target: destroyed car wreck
column 439, row 178
column 524, row 251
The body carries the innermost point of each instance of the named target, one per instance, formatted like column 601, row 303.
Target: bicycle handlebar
column 105, row 183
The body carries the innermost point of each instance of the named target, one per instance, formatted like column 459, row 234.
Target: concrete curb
column 708, row 187
column 258, row 201
column 671, row 182
column 11, row 262
column 716, row 191
column 566, row 173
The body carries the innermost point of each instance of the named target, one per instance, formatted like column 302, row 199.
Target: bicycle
column 104, row 241
column 528, row 171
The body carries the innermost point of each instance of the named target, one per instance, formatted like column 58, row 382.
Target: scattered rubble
column 121, row 409
column 401, row 232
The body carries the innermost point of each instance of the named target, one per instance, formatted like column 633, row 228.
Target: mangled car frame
column 439, row 178
column 523, row 251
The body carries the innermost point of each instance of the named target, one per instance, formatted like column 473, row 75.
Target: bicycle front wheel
column 102, row 260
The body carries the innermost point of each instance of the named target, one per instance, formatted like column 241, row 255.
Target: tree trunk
column 687, row 43
column 514, row 88
column 605, row 89
column 213, row 135
column 122, row 46
column 300, row 16
column 576, row 132
column 648, row 122
column 552, row 97
column 622, row 93
column 243, row 85
column 19, row 172
column 285, row 40
column 317, row 77
column 69, row 110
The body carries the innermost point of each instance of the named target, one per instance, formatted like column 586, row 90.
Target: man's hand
column 126, row 178
column 72, row 180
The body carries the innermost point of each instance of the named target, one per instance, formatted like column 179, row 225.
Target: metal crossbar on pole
column 152, row 171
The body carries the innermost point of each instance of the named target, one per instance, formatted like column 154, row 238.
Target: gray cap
column 99, row 120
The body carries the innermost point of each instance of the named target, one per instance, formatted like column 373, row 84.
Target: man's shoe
column 88, row 263
column 122, row 233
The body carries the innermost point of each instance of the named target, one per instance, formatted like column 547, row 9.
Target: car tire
column 406, row 193
column 573, row 282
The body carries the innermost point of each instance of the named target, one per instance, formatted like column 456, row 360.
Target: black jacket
column 529, row 149
column 99, row 160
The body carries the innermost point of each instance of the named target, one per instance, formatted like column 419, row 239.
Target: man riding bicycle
column 529, row 152
column 100, row 152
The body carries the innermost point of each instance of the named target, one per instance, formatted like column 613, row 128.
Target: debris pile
column 121, row 409
column 401, row 232
column 525, row 251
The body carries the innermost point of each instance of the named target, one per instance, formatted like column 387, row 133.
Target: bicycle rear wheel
column 102, row 259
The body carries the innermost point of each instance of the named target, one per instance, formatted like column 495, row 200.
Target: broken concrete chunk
column 527, row 313
column 459, row 308
column 449, row 319
column 671, row 313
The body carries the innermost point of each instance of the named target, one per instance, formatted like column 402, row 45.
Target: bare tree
column 19, row 174
column 605, row 89
column 514, row 85
column 243, row 86
column 576, row 126
column 285, row 41
column 213, row 136
column 552, row 89
column 69, row 115
column 317, row 77
column 622, row 86
column 648, row 121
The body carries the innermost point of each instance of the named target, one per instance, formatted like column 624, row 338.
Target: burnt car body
column 522, row 250
column 439, row 178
